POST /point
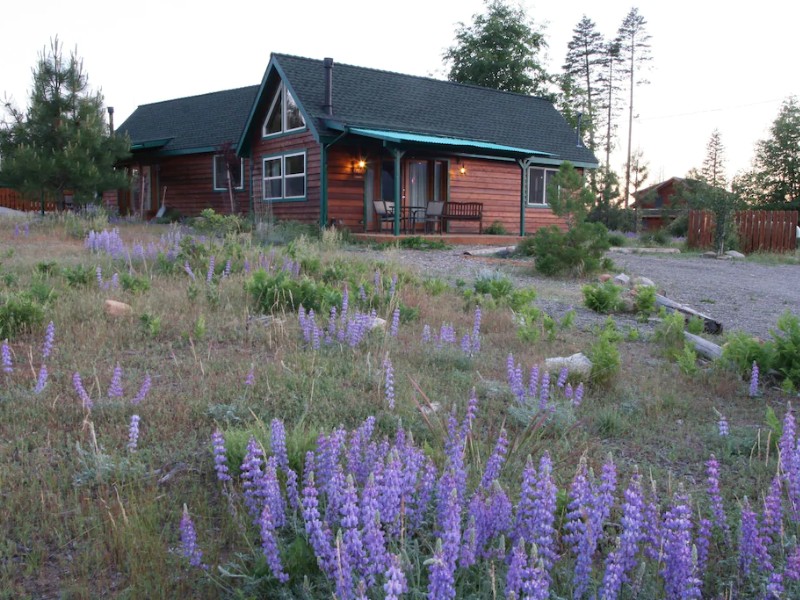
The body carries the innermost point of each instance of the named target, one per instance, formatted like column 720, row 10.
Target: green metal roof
column 406, row 136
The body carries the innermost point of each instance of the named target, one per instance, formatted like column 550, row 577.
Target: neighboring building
column 321, row 142
column 662, row 202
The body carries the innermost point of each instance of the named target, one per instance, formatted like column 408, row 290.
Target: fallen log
column 709, row 325
column 703, row 347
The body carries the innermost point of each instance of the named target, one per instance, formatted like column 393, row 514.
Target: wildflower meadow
column 307, row 420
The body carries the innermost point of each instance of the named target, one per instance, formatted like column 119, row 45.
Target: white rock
column 117, row 309
column 377, row 323
column 734, row 254
column 434, row 407
column 577, row 364
column 622, row 279
column 644, row 281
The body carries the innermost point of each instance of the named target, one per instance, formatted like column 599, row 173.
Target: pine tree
column 610, row 89
column 499, row 50
column 634, row 47
column 61, row 143
column 713, row 171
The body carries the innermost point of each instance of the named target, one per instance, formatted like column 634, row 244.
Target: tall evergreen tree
column 775, row 178
column 61, row 142
column 713, row 171
column 610, row 89
column 634, row 46
column 501, row 50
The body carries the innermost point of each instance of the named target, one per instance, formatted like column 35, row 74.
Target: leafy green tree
column 775, row 178
column 61, row 143
column 634, row 49
column 499, row 50
column 568, row 195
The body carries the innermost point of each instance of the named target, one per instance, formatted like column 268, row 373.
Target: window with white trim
column 284, row 177
column 283, row 115
column 538, row 180
column 221, row 173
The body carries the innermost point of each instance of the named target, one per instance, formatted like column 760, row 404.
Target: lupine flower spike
column 220, row 456
column 142, row 390
column 133, row 433
column 49, row 338
column 189, row 545
column 8, row 365
column 78, row 385
column 389, row 382
column 754, row 380
column 41, row 381
column 115, row 389
column 250, row 380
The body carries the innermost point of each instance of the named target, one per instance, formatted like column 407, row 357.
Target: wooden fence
column 759, row 230
column 12, row 199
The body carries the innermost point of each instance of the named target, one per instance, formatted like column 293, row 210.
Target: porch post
column 523, row 194
column 398, row 190
column 323, row 186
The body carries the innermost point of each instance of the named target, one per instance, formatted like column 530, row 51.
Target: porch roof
column 435, row 140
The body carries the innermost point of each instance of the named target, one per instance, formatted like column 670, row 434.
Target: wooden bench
column 464, row 211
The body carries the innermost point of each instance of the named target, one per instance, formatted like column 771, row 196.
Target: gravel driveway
column 742, row 295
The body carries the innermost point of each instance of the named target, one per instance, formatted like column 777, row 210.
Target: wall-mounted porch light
column 358, row 166
column 462, row 168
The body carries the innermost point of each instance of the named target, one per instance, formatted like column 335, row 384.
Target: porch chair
column 433, row 216
column 385, row 212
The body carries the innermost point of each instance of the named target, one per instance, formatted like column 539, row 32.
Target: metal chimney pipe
column 328, row 105
column 111, row 119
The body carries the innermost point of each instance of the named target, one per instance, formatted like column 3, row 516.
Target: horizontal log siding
column 498, row 185
column 189, row 182
column 345, row 190
column 306, row 211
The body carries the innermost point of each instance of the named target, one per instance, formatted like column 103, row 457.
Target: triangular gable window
column 284, row 115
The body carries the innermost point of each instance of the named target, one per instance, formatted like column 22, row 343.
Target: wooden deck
column 453, row 239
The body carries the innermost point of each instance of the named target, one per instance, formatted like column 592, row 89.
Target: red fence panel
column 759, row 230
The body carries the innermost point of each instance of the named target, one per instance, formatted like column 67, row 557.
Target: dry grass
column 81, row 517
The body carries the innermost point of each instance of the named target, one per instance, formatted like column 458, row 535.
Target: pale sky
column 715, row 64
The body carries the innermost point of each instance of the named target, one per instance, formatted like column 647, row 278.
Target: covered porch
column 451, row 239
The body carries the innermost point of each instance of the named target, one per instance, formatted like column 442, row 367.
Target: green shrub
column 496, row 285
column 151, row 324
column 670, row 332
column 496, row 228
column 134, row 283
column 617, row 240
column 687, row 360
column 787, row 350
column 435, row 286
column 41, row 292
column 695, row 325
column 271, row 293
column 416, row 242
column 741, row 350
column 680, row 225
column 19, row 313
column 605, row 358
column 78, row 276
column 602, row 297
column 45, row 267
column 212, row 223
column 578, row 251
column 644, row 302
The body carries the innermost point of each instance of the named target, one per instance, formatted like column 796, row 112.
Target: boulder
column 377, row 323
column 734, row 254
column 604, row 277
column 709, row 254
column 622, row 280
column 117, row 309
column 643, row 281
column 577, row 364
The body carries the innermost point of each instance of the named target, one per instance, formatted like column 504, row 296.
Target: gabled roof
column 659, row 186
column 381, row 100
column 190, row 125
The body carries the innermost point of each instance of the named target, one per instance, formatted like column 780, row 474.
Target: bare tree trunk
column 630, row 136
column 230, row 188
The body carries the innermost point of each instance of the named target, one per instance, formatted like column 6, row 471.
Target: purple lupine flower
column 373, row 539
column 133, row 433
column 517, row 570
column 246, row 267
column 454, row 453
column 775, row 588
column 115, row 389
column 426, row 333
column 751, row 545
column 441, row 583
column 496, row 460
column 723, row 427
column 343, row 571
column 604, row 500
column 772, row 518
column 345, row 302
column 226, row 272
column 49, row 338
column 270, row 490
column 188, row 269
column 712, row 487
column 328, row 449
column 189, row 545
column 78, row 385
column 395, row 322
column 315, row 334
column 393, row 286
column 210, row 273
column 704, row 531
column 27, row 229
column 220, row 456
column 319, row 535
column 99, row 275
column 568, row 391
column 579, row 533
column 250, row 379
column 362, row 294
column 253, row 475
column 533, row 382
column 388, row 382
column 515, row 382
column 792, row 569
column 466, row 344
column 8, row 365
column 395, row 585
column 754, row 380
column 787, row 443
column 278, row 443
column 576, row 401
column 476, row 331
column 115, row 281
column 41, row 380
column 390, row 496
column 536, row 509
column 353, row 543
column 562, row 377
column 544, row 394
column 622, row 560
column 142, row 391
column 680, row 578
column 269, row 544
column 376, row 279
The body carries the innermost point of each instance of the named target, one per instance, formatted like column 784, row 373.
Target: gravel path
column 741, row 295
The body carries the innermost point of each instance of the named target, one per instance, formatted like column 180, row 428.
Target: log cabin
column 339, row 144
